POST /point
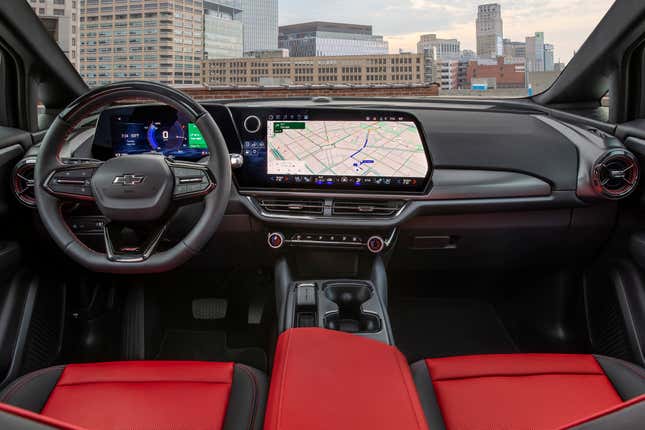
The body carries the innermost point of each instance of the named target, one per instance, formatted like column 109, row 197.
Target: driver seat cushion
column 141, row 395
column 522, row 391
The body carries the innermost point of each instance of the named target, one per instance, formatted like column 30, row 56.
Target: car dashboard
column 375, row 175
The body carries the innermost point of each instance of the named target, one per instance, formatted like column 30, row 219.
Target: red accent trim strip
column 31, row 416
column 609, row 411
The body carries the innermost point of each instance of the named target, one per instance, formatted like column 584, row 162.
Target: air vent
column 616, row 174
column 22, row 182
column 292, row 206
column 365, row 208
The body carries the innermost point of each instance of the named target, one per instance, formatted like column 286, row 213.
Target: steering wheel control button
column 375, row 244
column 252, row 124
column 276, row 240
column 72, row 183
column 190, row 182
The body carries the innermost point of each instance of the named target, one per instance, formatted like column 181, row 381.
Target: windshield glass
column 511, row 48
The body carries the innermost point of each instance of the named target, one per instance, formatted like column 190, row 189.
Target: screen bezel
column 253, row 176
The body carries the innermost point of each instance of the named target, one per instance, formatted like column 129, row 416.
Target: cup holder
column 350, row 316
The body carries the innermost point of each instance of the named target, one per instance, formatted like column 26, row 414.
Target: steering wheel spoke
column 125, row 244
column 72, row 180
column 191, row 180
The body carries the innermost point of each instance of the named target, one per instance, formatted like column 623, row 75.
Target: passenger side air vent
column 292, row 206
column 22, row 182
column 616, row 174
column 365, row 208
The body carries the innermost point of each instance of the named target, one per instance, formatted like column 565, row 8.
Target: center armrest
column 325, row 379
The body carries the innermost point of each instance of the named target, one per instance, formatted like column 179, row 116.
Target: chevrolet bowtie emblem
column 128, row 180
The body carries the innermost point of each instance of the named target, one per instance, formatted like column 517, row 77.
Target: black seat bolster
column 427, row 396
column 627, row 378
column 32, row 390
column 623, row 419
column 247, row 402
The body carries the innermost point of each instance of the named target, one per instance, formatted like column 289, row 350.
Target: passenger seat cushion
column 146, row 395
column 518, row 391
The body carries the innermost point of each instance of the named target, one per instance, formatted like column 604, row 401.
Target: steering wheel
column 136, row 194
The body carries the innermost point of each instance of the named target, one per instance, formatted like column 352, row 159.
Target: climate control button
column 275, row 240
column 375, row 244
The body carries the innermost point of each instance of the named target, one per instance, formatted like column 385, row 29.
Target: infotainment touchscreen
column 371, row 152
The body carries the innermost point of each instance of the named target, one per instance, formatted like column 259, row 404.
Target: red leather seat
column 523, row 391
column 145, row 395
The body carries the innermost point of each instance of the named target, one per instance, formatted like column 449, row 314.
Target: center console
column 356, row 305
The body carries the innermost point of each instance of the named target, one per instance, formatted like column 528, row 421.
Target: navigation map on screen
column 384, row 149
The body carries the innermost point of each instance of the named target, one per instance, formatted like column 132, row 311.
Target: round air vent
column 615, row 174
column 22, row 182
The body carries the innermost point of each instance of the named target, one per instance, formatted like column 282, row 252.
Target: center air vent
column 22, row 182
column 292, row 206
column 616, row 174
column 365, row 208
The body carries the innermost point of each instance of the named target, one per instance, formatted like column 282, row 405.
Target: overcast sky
column 566, row 23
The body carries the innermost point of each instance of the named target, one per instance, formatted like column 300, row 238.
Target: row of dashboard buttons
column 340, row 238
column 374, row 244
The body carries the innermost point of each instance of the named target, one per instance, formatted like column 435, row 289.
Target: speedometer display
column 164, row 138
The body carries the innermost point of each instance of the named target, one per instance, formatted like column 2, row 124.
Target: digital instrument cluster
column 150, row 129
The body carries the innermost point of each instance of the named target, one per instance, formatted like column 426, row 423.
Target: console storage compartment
column 325, row 379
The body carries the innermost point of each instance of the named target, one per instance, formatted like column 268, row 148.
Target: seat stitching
column 253, row 395
column 522, row 375
column 159, row 381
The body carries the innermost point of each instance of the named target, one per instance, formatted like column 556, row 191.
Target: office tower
column 123, row 40
column 223, row 30
column 535, row 53
column 514, row 49
column 61, row 18
column 314, row 39
column 490, row 31
column 440, row 49
column 549, row 57
column 260, row 19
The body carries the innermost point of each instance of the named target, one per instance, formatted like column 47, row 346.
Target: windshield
column 511, row 48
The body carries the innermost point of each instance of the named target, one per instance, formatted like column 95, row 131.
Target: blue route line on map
column 353, row 156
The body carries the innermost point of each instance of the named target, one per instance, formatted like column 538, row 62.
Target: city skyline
column 566, row 24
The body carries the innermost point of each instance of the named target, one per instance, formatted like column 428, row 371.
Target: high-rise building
column 440, row 49
column 162, row 41
column 549, row 57
column 313, row 39
column 61, row 18
column 223, row 31
column 260, row 19
column 535, row 53
column 350, row 69
column 514, row 49
column 490, row 31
